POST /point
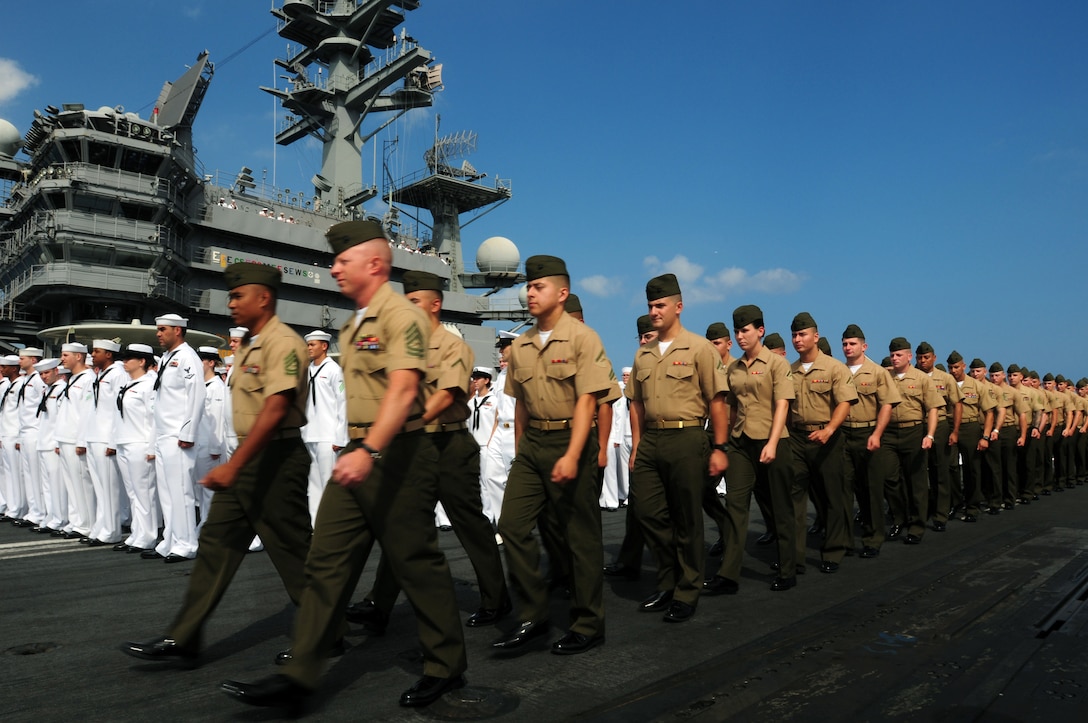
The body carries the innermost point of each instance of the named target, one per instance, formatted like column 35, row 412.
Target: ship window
column 84, row 202
column 137, row 212
column 73, row 150
column 55, row 200
column 101, row 154
column 139, row 162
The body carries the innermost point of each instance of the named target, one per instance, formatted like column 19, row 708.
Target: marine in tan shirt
column 945, row 436
column 976, row 423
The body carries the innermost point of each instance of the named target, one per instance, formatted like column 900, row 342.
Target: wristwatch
column 375, row 454
column 723, row 447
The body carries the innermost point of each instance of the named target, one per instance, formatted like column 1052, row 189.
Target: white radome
column 498, row 255
column 523, row 296
column 11, row 139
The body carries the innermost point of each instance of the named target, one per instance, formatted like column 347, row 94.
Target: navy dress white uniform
column 132, row 436
column 76, row 403
column 179, row 406
column 616, row 474
column 210, row 436
column 29, row 397
column 14, row 494
column 500, row 448
column 111, row 506
column 483, row 412
column 326, row 429
column 53, row 494
column 7, row 363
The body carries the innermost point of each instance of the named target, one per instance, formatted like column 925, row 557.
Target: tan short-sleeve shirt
column 946, row 386
column 875, row 389
column 679, row 384
column 819, row 390
column 919, row 396
column 392, row 335
column 548, row 379
column 271, row 364
column 449, row 366
column 753, row 391
column 976, row 399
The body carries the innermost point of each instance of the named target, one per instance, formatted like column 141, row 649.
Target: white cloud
column 600, row 285
column 716, row 286
column 13, row 79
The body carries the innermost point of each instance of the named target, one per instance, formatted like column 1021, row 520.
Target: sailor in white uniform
column 29, row 396
column 481, row 422
column 211, row 437
column 9, row 373
column 179, row 406
column 111, row 504
column 616, row 472
column 76, row 403
column 54, row 497
column 500, row 447
column 14, row 494
column 326, row 430
column 136, row 450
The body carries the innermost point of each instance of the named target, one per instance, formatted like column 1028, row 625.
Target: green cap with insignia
column 1059, row 379
column 421, row 281
column 343, row 236
column 661, row 286
column 955, row 357
column 745, row 315
column 924, row 348
column 977, row 363
column 1013, row 368
column 853, row 332
column 242, row 273
column 1048, row 377
column 941, row 367
column 537, row 267
column 886, row 362
column 996, row 367
column 899, row 344
column 824, row 345
column 572, row 304
column 803, row 320
column 717, row 330
column 644, row 324
column 774, row 341
column 1032, row 374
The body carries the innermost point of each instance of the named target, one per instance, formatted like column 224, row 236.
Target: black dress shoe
column 1035, row 498
column 428, row 689
column 869, row 552
column 1046, row 493
column 573, row 643
column 970, row 518
column 57, row 533
column 84, row 540
column 816, row 529
column 829, row 567
column 150, row 555
column 912, row 540
column 120, row 547
column 678, row 612
column 618, row 569
column 994, row 511
column 338, row 648
column 172, row 558
column 766, row 538
column 1024, row 501
column 798, row 568
column 136, row 550
column 521, row 635
column 1007, row 506
column 162, row 649
column 939, row 527
column 719, row 585
column 275, row 691
column 95, row 542
column 895, row 532
column 23, row 523
column 73, row 535
column 783, row 583
column 657, row 602
column 489, row 616
column 367, row 614
column 717, row 549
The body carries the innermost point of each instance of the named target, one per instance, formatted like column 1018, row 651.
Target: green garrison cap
column 853, row 332
column 745, row 315
column 1049, row 377
column 644, row 324
column 824, row 345
column 572, row 304
column 717, row 330
column 1082, row 382
column 924, row 348
column 537, row 267
column 1060, row 379
column 661, row 286
column 1032, row 374
column 343, row 236
column 955, row 357
column 243, row 273
column 774, row 341
column 1013, row 368
column 886, row 362
column 421, row 281
column 941, row 367
column 977, row 363
column 899, row 344
column 996, row 367
column 803, row 320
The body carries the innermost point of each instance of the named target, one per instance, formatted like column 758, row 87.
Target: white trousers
column 32, row 480
column 203, row 496
column 108, row 495
column 322, row 460
column 138, row 478
column 174, row 481
column 77, row 482
column 12, row 478
column 616, row 476
column 54, row 492
column 494, row 469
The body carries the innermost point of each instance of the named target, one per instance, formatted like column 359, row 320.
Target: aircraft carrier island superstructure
column 107, row 217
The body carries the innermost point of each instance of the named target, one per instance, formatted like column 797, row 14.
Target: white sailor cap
column 64, row 370
column 171, row 320
column 229, row 359
column 9, row 360
column 46, row 364
column 482, row 371
column 140, row 349
column 207, row 352
column 238, row 332
column 106, row 345
column 625, row 370
column 318, row 336
column 32, row 351
column 220, row 370
column 75, row 347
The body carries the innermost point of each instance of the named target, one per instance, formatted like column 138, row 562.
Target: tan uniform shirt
column 819, row 390
column 754, row 390
column 1056, row 405
column 549, row 379
column 449, row 366
column 1013, row 404
column 919, row 396
column 946, row 386
column 270, row 364
column 680, row 384
column 875, row 389
column 392, row 335
column 977, row 400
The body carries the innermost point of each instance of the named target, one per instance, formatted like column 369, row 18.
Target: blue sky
column 917, row 168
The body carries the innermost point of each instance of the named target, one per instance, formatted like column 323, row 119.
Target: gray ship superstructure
column 109, row 217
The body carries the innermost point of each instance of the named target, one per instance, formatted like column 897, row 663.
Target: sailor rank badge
column 368, row 343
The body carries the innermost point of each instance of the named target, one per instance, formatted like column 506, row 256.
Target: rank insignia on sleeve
column 413, row 341
column 290, row 364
